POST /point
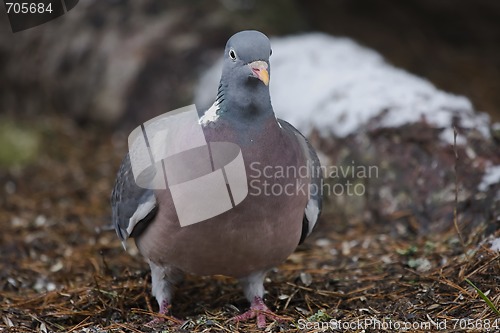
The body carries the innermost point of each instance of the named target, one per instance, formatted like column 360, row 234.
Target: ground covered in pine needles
column 63, row 269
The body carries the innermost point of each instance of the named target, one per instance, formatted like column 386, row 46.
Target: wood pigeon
column 281, row 208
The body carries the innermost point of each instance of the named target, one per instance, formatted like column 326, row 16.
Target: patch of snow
column 337, row 86
column 491, row 176
column 495, row 244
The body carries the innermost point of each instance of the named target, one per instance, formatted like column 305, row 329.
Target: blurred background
column 73, row 88
column 115, row 60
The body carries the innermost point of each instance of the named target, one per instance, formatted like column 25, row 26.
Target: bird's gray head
column 246, row 57
column 244, row 84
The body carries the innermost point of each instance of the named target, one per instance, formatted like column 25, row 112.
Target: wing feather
column 315, row 202
column 131, row 205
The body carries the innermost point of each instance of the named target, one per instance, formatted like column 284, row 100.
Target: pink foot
column 163, row 315
column 261, row 311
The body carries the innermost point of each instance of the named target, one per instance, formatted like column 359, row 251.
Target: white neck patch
column 210, row 115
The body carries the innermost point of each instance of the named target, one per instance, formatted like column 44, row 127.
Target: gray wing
column 133, row 207
column 315, row 202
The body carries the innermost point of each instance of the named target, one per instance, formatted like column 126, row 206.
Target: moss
column 19, row 144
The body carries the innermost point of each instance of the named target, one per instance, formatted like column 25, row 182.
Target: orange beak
column 259, row 69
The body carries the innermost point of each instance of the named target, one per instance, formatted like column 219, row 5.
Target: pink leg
column 164, row 310
column 261, row 311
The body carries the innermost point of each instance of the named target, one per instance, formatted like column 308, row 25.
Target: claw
column 163, row 316
column 155, row 322
column 260, row 311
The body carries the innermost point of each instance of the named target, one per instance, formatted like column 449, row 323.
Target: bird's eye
column 271, row 52
column 232, row 54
